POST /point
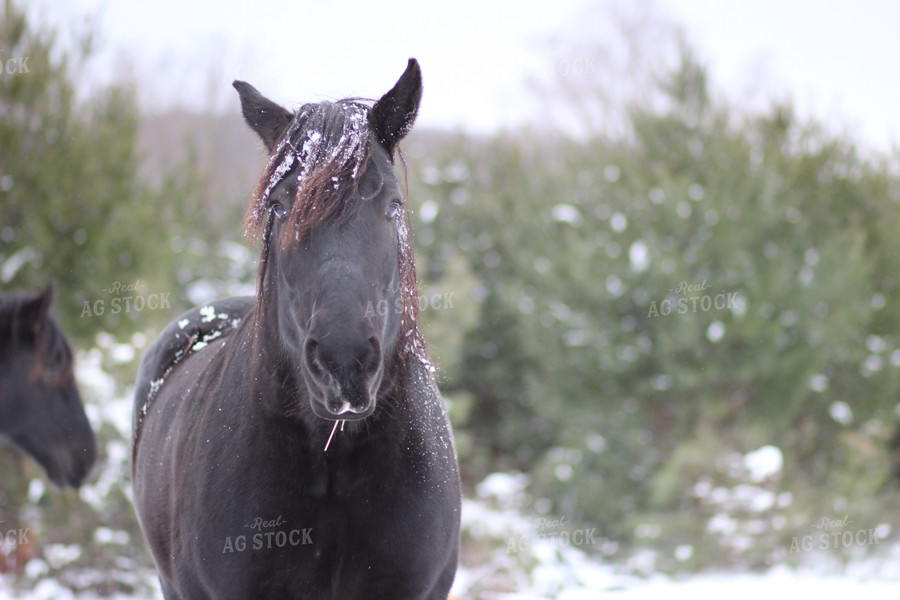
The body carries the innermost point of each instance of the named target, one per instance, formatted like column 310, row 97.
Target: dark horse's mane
column 329, row 144
column 53, row 357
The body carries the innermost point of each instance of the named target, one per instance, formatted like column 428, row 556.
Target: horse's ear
column 267, row 119
column 393, row 115
column 35, row 310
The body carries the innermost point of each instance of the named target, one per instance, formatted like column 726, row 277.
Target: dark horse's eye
column 279, row 210
column 393, row 208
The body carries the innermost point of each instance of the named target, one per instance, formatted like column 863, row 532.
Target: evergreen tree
column 71, row 198
column 74, row 208
column 655, row 307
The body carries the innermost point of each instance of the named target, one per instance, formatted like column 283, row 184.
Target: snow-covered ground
column 533, row 563
column 778, row 584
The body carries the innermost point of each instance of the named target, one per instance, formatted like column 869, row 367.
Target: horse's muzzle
column 343, row 378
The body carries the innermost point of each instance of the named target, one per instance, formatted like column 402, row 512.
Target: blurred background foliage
column 702, row 437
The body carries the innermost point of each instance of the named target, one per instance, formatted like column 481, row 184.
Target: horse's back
column 189, row 332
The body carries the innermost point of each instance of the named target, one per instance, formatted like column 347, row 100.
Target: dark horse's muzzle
column 343, row 373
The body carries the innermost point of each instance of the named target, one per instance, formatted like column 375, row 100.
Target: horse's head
column 40, row 407
column 337, row 281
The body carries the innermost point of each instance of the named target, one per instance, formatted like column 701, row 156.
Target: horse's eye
column 279, row 210
column 393, row 208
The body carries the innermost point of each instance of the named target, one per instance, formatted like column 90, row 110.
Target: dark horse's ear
column 34, row 311
column 267, row 119
column 393, row 116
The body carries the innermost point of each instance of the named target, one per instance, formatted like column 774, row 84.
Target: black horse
column 294, row 445
column 40, row 407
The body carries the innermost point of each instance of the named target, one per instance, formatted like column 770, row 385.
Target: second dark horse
column 40, row 408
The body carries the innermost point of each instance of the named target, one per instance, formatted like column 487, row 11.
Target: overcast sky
column 836, row 58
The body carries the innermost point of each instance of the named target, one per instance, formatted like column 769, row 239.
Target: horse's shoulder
column 188, row 333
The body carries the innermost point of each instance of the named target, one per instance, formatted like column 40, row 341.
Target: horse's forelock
column 326, row 148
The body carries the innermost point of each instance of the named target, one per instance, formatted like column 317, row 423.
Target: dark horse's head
column 40, row 408
column 337, row 281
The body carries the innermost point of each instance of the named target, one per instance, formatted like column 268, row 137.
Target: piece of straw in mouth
column 331, row 435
